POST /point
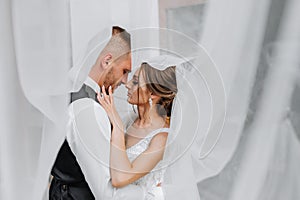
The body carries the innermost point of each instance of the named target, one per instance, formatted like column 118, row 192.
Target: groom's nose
column 124, row 79
column 127, row 85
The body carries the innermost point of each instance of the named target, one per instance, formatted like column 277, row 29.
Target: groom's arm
column 89, row 141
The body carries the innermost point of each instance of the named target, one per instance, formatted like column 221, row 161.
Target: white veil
column 198, row 111
column 190, row 139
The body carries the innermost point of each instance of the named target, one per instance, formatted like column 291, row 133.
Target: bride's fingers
column 103, row 90
column 111, row 98
column 100, row 98
column 106, row 97
column 102, row 101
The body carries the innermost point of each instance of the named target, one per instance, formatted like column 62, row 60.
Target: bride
column 135, row 156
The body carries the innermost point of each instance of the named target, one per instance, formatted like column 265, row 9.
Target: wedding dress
column 150, row 181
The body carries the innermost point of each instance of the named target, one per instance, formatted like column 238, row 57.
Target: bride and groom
column 101, row 157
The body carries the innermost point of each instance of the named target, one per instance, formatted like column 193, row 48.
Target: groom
column 110, row 69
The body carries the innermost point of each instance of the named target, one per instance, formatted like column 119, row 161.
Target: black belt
column 75, row 184
column 69, row 190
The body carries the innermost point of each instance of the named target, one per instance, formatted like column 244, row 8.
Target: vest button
column 64, row 187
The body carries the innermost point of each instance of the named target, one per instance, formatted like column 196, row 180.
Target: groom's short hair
column 119, row 43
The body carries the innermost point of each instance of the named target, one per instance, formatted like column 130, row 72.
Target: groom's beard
column 111, row 81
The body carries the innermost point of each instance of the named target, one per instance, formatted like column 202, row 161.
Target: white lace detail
column 149, row 181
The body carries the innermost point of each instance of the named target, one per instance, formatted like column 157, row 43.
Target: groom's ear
column 106, row 61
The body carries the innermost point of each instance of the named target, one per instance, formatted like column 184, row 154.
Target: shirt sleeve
column 89, row 139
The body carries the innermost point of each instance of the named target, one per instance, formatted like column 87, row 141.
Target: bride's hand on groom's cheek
column 107, row 102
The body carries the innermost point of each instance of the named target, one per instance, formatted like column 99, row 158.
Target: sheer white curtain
column 233, row 36
column 263, row 157
column 40, row 42
column 89, row 17
column 35, row 58
column 256, row 47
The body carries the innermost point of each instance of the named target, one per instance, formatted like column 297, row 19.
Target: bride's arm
column 122, row 171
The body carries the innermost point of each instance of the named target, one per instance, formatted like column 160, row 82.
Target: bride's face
column 138, row 93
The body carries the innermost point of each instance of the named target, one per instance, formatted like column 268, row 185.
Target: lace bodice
column 149, row 181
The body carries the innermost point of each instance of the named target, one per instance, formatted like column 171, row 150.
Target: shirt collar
column 92, row 84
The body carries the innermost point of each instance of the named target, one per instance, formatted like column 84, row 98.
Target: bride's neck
column 147, row 114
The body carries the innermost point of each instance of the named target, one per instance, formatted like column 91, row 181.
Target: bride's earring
column 150, row 102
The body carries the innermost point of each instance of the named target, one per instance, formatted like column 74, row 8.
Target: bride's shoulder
column 158, row 141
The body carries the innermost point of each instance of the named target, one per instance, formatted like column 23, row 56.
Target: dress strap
column 150, row 136
column 156, row 131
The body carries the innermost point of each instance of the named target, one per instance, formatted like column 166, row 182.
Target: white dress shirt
column 92, row 84
column 89, row 139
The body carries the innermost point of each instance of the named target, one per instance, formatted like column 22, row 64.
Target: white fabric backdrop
column 233, row 35
column 40, row 40
column 35, row 57
column 267, row 157
column 270, row 123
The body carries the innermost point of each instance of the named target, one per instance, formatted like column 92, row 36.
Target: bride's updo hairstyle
column 163, row 84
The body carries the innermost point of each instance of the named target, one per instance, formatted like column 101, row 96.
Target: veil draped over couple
column 156, row 152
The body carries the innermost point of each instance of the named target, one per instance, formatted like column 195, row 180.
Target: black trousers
column 69, row 191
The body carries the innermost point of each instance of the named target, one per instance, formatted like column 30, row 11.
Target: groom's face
column 118, row 72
